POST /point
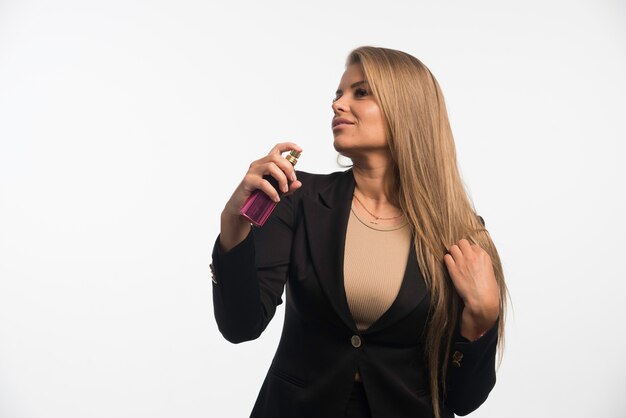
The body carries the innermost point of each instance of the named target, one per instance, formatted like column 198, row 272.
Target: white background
column 125, row 126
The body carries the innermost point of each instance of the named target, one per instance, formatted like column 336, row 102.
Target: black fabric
column 300, row 250
column 357, row 403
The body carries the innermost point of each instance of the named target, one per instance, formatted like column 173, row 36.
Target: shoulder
column 313, row 183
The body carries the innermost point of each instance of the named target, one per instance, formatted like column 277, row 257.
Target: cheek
column 369, row 110
column 374, row 121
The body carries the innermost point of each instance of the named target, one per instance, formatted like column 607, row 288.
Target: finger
column 456, row 252
column 277, row 158
column 284, row 165
column 285, row 146
column 268, row 189
column 274, row 170
column 464, row 245
column 477, row 248
column 467, row 249
column 295, row 185
column 453, row 269
column 449, row 260
column 256, row 173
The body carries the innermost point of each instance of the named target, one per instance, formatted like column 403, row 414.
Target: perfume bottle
column 260, row 206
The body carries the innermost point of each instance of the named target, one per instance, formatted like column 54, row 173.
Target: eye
column 336, row 98
column 361, row 92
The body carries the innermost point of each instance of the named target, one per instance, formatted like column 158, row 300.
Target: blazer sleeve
column 471, row 369
column 250, row 278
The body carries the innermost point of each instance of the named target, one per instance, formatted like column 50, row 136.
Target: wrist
column 475, row 325
column 233, row 229
column 481, row 312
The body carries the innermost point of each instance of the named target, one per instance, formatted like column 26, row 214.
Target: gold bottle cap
column 293, row 157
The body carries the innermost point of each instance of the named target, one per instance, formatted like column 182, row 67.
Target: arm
column 250, row 277
column 250, row 265
column 471, row 371
column 471, row 365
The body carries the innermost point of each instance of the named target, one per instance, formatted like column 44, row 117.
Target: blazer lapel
column 326, row 219
column 412, row 292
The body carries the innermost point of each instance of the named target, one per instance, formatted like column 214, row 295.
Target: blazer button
column 456, row 358
column 356, row 341
column 213, row 279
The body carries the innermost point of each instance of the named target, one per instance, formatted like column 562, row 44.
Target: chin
column 342, row 143
column 347, row 155
column 351, row 150
column 341, row 148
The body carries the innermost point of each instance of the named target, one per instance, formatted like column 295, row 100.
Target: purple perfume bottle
column 260, row 206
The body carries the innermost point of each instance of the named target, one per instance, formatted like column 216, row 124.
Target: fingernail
column 277, row 199
column 293, row 177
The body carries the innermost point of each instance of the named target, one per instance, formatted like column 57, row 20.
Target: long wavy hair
column 429, row 190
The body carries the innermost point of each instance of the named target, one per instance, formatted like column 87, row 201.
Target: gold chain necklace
column 376, row 218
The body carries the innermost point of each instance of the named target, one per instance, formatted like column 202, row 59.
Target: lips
column 341, row 121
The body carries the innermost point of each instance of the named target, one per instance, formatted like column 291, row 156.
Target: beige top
column 375, row 258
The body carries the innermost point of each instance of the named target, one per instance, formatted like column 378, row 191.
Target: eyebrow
column 353, row 85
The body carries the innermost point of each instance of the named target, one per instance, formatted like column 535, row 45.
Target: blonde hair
column 429, row 191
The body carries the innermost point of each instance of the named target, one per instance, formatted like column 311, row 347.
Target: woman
column 395, row 291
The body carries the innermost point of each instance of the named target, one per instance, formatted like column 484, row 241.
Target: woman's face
column 358, row 125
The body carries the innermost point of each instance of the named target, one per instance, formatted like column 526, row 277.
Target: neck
column 376, row 183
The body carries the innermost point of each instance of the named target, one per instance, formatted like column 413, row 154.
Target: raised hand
column 471, row 271
column 234, row 228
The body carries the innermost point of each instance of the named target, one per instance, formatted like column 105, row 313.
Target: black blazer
column 320, row 349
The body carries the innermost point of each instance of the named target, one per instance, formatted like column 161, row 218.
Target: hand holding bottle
column 234, row 227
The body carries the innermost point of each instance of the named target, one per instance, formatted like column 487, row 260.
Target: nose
column 339, row 105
